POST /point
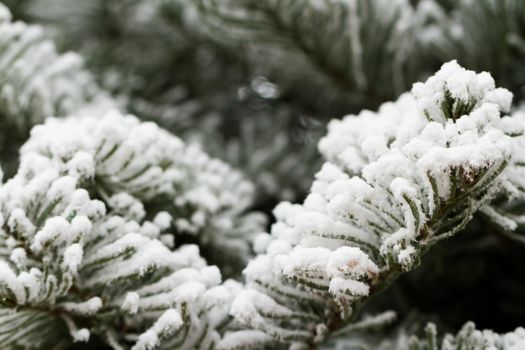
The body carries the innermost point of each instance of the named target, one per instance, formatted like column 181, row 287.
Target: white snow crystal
column 88, row 307
column 340, row 286
column 351, row 262
column 168, row 323
column 163, row 220
column 131, row 303
column 73, row 257
column 55, row 228
column 81, row 335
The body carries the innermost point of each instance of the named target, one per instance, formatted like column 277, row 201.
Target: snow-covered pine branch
column 138, row 169
column 274, row 146
column 204, row 195
column 58, row 85
column 395, row 182
column 78, row 265
column 33, row 89
column 36, row 82
column 79, row 253
column 468, row 338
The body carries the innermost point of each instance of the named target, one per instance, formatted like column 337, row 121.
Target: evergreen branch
column 83, row 266
column 468, row 338
column 137, row 168
column 420, row 159
column 33, row 89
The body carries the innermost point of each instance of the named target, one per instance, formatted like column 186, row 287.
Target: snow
column 127, row 205
column 463, row 85
column 81, row 165
column 32, row 282
column 18, row 222
column 5, row 14
column 131, row 303
column 351, row 262
column 65, row 252
column 62, row 187
column 148, row 254
column 500, row 97
column 340, row 286
column 73, row 257
column 250, row 305
column 303, row 259
column 406, row 256
column 163, row 220
column 80, row 226
column 81, row 335
column 11, row 283
column 168, row 240
column 386, row 175
column 149, row 229
column 55, row 228
column 86, row 308
column 168, row 323
column 261, row 242
column 372, row 205
column 18, row 256
column 139, row 162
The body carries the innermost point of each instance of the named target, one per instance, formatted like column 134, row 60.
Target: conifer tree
column 148, row 145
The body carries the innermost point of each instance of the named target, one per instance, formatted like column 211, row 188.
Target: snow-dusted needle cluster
column 36, row 81
column 127, row 160
column 395, row 182
column 83, row 246
column 138, row 168
column 468, row 338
